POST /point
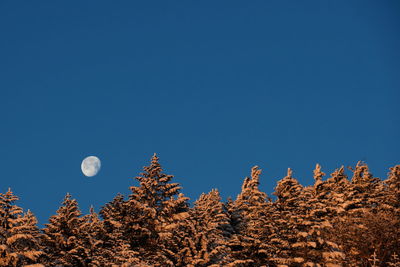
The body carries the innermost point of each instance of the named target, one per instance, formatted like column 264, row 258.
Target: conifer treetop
column 361, row 173
column 318, row 174
column 393, row 179
column 339, row 175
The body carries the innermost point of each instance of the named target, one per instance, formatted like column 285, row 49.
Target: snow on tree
column 19, row 234
column 335, row 189
column 312, row 244
column 392, row 194
column 366, row 225
column 119, row 225
column 62, row 236
column 164, row 216
column 92, row 235
column 334, row 222
column 252, row 223
column 211, row 230
column 364, row 190
column 288, row 192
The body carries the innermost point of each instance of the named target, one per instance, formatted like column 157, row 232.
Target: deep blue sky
column 214, row 87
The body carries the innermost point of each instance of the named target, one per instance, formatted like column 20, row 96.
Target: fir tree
column 63, row 236
column 252, row 223
column 92, row 235
column 19, row 235
column 289, row 193
column 312, row 222
column 118, row 226
column 160, row 217
column 211, row 230
column 365, row 191
column 392, row 193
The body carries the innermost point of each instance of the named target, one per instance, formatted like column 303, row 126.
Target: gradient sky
column 214, row 87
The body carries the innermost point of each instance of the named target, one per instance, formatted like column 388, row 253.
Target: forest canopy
column 337, row 221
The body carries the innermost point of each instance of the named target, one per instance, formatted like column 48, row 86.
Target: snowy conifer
column 118, row 227
column 19, row 235
column 62, row 236
column 252, row 223
column 159, row 216
column 212, row 229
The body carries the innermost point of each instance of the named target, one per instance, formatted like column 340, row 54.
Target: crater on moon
column 90, row 166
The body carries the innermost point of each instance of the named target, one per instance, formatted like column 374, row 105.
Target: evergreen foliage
column 334, row 222
column 63, row 238
column 19, row 235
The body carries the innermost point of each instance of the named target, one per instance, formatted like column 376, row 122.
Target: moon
column 90, row 166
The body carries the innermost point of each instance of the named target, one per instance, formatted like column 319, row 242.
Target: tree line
column 338, row 221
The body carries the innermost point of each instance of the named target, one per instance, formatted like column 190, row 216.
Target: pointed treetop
column 339, row 174
column 393, row 179
column 361, row 173
column 395, row 172
column 255, row 175
column 9, row 196
column 154, row 159
column 318, row 174
column 289, row 173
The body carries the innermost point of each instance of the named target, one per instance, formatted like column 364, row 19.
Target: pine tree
column 392, row 193
column 252, row 223
column 159, row 215
column 211, row 231
column 92, row 235
column 312, row 244
column 289, row 193
column 63, row 236
column 19, row 235
column 336, row 190
column 365, row 226
column 118, row 225
column 365, row 191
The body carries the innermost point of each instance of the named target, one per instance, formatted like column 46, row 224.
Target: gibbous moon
column 90, row 166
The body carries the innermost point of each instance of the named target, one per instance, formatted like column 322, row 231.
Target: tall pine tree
column 62, row 236
column 160, row 214
column 19, row 235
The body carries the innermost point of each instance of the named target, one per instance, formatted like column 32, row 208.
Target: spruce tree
column 62, row 236
column 289, row 193
column 365, row 225
column 312, row 244
column 252, row 223
column 19, row 235
column 118, row 226
column 211, row 231
column 160, row 217
column 365, row 190
column 392, row 192
column 92, row 235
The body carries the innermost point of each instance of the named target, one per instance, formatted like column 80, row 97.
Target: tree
column 118, row 225
column 211, row 231
column 63, row 236
column 392, row 192
column 312, row 246
column 365, row 225
column 92, row 235
column 252, row 223
column 157, row 215
column 19, row 234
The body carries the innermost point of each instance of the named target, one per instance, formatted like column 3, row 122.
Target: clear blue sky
column 214, row 87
